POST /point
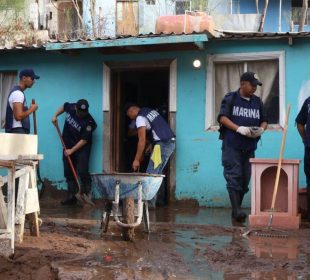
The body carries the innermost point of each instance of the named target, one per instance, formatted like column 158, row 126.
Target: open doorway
column 147, row 87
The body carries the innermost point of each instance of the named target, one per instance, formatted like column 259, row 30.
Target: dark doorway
column 147, row 87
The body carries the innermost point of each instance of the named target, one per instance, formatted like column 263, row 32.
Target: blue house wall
column 273, row 14
column 198, row 154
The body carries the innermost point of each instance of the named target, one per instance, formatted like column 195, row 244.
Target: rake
column 271, row 232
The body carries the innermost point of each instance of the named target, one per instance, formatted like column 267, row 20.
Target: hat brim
column 256, row 83
column 36, row 77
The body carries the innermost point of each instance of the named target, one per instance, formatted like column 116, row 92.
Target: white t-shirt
column 143, row 121
column 16, row 97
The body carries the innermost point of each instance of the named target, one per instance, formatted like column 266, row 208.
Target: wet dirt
column 185, row 242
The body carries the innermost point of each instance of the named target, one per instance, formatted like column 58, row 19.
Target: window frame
column 242, row 57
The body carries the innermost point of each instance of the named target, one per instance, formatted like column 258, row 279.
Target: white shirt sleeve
column 16, row 97
column 141, row 121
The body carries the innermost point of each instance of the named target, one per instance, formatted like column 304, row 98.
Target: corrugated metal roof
column 18, row 45
column 222, row 35
column 231, row 35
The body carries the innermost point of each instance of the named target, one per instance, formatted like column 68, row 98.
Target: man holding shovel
column 17, row 111
column 242, row 123
column 77, row 137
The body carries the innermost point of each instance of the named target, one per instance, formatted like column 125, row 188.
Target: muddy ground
column 186, row 242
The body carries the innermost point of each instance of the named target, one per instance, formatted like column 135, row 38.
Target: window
column 223, row 76
column 7, row 81
column 181, row 6
column 297, row 12
column 233, row 7
column 69, row 24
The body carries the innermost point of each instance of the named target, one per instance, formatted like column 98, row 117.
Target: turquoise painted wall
column 198, row 169
column 62, row 78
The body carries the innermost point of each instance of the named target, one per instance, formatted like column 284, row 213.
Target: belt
column 171, row 140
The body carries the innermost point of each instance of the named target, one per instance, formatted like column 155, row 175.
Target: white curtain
column 267, row 72
column 7, row 81
column 227, row 79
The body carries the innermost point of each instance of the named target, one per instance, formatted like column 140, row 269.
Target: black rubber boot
column 71, row 199
column 240, row 196
column 237, row 214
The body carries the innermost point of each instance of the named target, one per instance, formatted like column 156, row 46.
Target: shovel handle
column 69, row 158
column 34, row 119
column 276, row 185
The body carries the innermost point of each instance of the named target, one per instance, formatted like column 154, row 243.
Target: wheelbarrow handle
column 69, row 158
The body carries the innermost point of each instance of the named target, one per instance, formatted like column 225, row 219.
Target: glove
column 256, row 131
column 244, row 130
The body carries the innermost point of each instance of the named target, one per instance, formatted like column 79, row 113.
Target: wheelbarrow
column 130, row 188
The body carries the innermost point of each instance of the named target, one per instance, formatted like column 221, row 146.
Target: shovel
column 78, row 195
column 38, row 165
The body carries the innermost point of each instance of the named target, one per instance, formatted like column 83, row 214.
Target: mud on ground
column 73, row 249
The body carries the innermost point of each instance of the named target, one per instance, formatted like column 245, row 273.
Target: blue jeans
column 167, row 149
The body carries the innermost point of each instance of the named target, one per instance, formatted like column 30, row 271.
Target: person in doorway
column 163, row 139
column 17, row 112
column 242, row 121
column 132, row 138
column 303, row 127
column 77, row 135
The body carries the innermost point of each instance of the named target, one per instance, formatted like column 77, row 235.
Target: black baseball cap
column 252, row 78
column 129, row 105
column 82, row 105
column 28, row 73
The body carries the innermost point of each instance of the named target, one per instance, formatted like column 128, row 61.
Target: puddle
column 274, row 248
column 185, row 243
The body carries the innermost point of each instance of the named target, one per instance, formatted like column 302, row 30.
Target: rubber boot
column 71, row 199
column 240, row 196
column 237, row 214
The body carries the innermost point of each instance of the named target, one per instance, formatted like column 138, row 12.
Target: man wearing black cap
column 17, row 111
column 163, row 139
column 77, row 135
column 242, row 121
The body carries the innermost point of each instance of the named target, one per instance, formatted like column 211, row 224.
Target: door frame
column 107, row 118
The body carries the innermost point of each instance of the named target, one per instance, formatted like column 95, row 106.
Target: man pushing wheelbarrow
column 76, row 139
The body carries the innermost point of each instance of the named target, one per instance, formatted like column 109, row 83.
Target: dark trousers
column 19, row 130
column 307, row 166
column 307, row 173
column 237, row 168
column 80, row 160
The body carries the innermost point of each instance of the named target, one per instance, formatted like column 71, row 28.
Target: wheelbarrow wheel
column 128, row 218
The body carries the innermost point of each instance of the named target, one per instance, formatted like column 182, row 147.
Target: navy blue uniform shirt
column 243, row 113
column 303, row 118
column 75, row 128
